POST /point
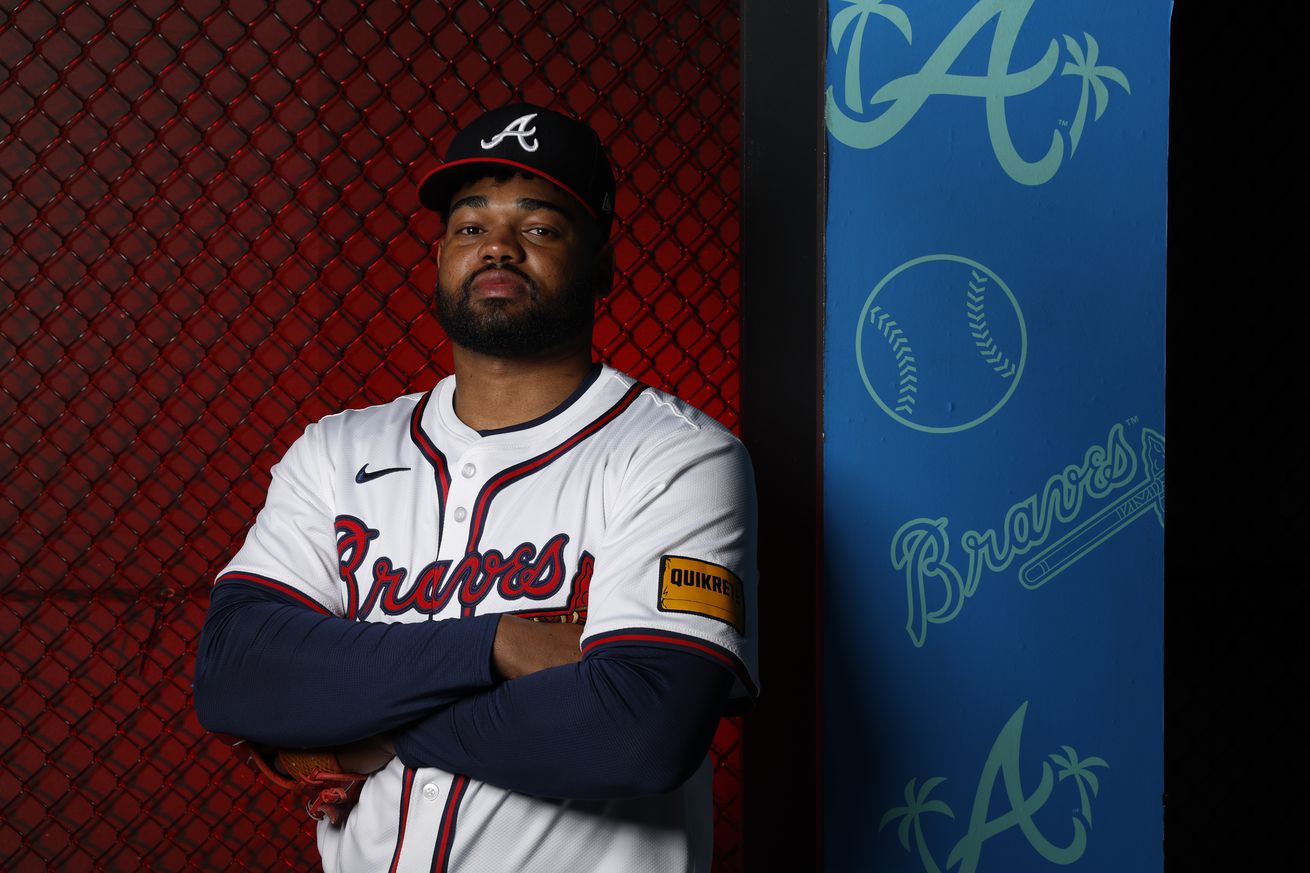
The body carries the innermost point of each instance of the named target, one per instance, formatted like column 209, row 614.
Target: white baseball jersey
column 624, row 501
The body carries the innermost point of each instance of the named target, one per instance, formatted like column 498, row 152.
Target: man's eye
column 468, row 230
column 542, row 231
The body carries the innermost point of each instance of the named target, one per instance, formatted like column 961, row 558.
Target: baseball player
column 379, row 616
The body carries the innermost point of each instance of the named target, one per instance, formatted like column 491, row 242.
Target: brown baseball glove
column 330, row 792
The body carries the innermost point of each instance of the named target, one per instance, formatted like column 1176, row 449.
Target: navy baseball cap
column 559, row 149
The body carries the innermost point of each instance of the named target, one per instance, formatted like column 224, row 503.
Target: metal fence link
column 210, row 237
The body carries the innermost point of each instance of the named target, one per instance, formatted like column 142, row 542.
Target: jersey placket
column 434, row 796
column 427, row 821
column 468, row 475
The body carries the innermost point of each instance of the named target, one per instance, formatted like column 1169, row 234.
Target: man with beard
column 504, row 615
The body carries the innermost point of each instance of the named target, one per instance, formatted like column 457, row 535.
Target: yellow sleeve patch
column 702, row 588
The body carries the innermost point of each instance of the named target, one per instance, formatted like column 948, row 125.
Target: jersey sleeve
column 677, row 566
column 291, row 548
column 279, row 661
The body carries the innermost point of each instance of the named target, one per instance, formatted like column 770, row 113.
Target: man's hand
column 524, row 647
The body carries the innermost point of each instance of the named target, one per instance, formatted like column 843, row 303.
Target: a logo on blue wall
column 1003, row 764
column 855, row 122
column 935, row 589
column 941, row 343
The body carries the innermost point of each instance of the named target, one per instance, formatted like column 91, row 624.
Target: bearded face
column 505, row 327
column 520, row 268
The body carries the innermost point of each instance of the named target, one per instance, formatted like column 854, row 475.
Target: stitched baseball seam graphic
column 908, row 386
column 982, row 336
column 937, row 385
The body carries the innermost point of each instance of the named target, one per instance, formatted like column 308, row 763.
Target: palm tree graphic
column 1080, row 769
column 858, row 12
column 1085, row 66
column 916, row 804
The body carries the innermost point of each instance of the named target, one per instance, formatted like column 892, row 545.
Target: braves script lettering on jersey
column 625, row 503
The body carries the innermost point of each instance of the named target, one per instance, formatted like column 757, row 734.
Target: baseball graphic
column 941, row 343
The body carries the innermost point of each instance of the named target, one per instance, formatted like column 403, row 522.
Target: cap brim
column 436, row 189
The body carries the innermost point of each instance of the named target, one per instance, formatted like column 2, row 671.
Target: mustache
column 466, row 288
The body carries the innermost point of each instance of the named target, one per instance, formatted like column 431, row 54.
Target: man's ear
column 603, row 263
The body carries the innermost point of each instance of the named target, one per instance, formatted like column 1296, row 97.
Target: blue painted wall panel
column 994, row 434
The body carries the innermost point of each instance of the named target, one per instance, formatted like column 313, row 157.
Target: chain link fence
column 209, row 237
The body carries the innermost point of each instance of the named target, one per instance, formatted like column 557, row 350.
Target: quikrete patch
column 702, row 588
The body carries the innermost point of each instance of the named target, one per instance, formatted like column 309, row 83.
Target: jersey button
column 429, row 792
column 460, row 514
column 468, row 471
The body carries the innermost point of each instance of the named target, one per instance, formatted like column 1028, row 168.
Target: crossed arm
column 493, row 697
column 497, row 698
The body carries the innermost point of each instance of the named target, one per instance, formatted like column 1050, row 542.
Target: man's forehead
column 528, row 193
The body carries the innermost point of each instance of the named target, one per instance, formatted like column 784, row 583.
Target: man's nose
column 501, row 244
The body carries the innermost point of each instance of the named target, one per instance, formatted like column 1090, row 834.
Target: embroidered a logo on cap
column 517, row 128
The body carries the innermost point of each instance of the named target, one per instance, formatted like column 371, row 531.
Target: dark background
column 1234, row 542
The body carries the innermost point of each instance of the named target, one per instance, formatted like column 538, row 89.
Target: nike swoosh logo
column 365, row 476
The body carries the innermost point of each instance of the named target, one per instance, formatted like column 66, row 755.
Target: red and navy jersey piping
column 510, row 475
column 587, row 381
column 274, row 585
column 446, row 830
column 406, row 789
column 513, row 474
column 680, row 642
column 434, row 456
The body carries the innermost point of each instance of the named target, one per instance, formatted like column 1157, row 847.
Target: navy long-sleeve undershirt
column 274, row 671
column 627, row 720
